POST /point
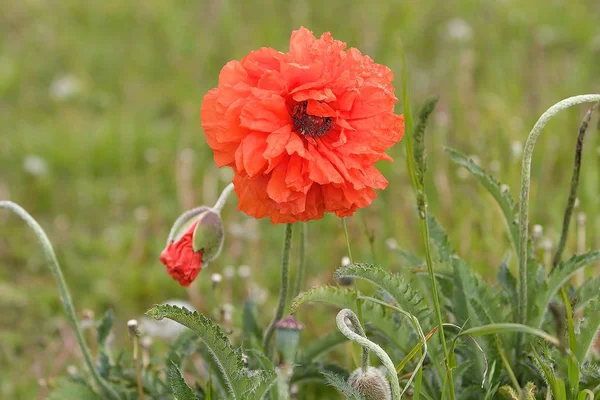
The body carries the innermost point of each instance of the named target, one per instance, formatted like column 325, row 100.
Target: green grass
column 118, row 151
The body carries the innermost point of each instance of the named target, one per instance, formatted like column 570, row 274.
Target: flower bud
column 372, row 384
column 288, row 338
column 132, row 327
column 195, row 239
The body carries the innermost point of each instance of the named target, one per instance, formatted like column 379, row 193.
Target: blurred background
column 100, row 140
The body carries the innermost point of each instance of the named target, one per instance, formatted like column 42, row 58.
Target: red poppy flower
column 182, row 262
column 302, row 130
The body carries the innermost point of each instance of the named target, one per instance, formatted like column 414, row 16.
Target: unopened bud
column 288, row 338
column 216, row 278
column 132, row 326
column 372, row 384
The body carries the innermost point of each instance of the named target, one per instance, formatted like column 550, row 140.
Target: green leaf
column 380, row 317
column 341, row 385
column 558, row 278
column 419, row 138
column 407, row 298
column 68, row 389
column 180, row 388
column 588, row 329
column 227, row 359
column 588, row 291
column 494, row 187
column 509, row 328
column 104, row 328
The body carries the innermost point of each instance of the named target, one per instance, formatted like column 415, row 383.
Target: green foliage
column 342, row 385
column 494, row 187
column 320, row 346
column 557, row 279
column 400, row 290
column 380, row 317
column 104, row 328
column 227, row 359
column 588, row 330
column 180, row 388
column 68, row 389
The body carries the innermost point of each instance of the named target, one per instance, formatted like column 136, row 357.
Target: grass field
column 100, row 139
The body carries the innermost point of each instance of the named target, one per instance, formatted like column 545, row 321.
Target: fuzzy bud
column 372, row 384
column 288, row 338
column 133, row 327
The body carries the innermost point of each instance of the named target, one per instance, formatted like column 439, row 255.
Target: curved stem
column 524, row 197
column 301, row 259
column 364, row 364
column 283, row 290
column 65, row 295
column 574, row 184
column 223, row 198
column 367, row 344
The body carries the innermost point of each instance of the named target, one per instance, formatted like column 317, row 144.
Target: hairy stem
column 301, row 259
column 283, row 290
column 65, row 295
column 524, row 197
column 223, row 198
column 365, row 343
column 574, row 185
column 419, row 191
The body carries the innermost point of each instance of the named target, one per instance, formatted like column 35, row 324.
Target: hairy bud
column 372, row 384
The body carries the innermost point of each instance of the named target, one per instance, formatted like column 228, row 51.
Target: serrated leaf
column 340, row 384
column 588, row 330
column 104, row 328
column 227, row 359
column 67, row 389
column 419, row 137
column 400, row 290
column 268, row 374
column 180, row 388
column 494, row 187
column 558, row 278
column 375, row 314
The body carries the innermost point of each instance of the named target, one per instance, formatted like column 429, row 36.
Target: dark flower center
column 310, row 125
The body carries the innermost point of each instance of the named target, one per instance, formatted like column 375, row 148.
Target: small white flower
column 459, row 30
column 345, row 261
column 391, row 243
column 65, row 87
column 244, row 271
column 35, row 165
column 516, row 149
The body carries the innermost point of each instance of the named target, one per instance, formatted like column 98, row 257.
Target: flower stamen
column 310, row 125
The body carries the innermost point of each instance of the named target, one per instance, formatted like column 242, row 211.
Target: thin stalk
column 524, row 197
column 509, row 370
column 283, row 290
column 422, row 209
column 301, row 259
column 367, row 344
column 138, row 373
column 358, row 307
column 223, row 197
column 574, row 185
column 65, row 295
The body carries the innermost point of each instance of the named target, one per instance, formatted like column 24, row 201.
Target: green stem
column 223, row 198
column 367, row 345
column 301, row 259
column 574, row 184
column 422, row 208
column 283, row 290
column 524, row 197
column 358, row 306
column 65, row 295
